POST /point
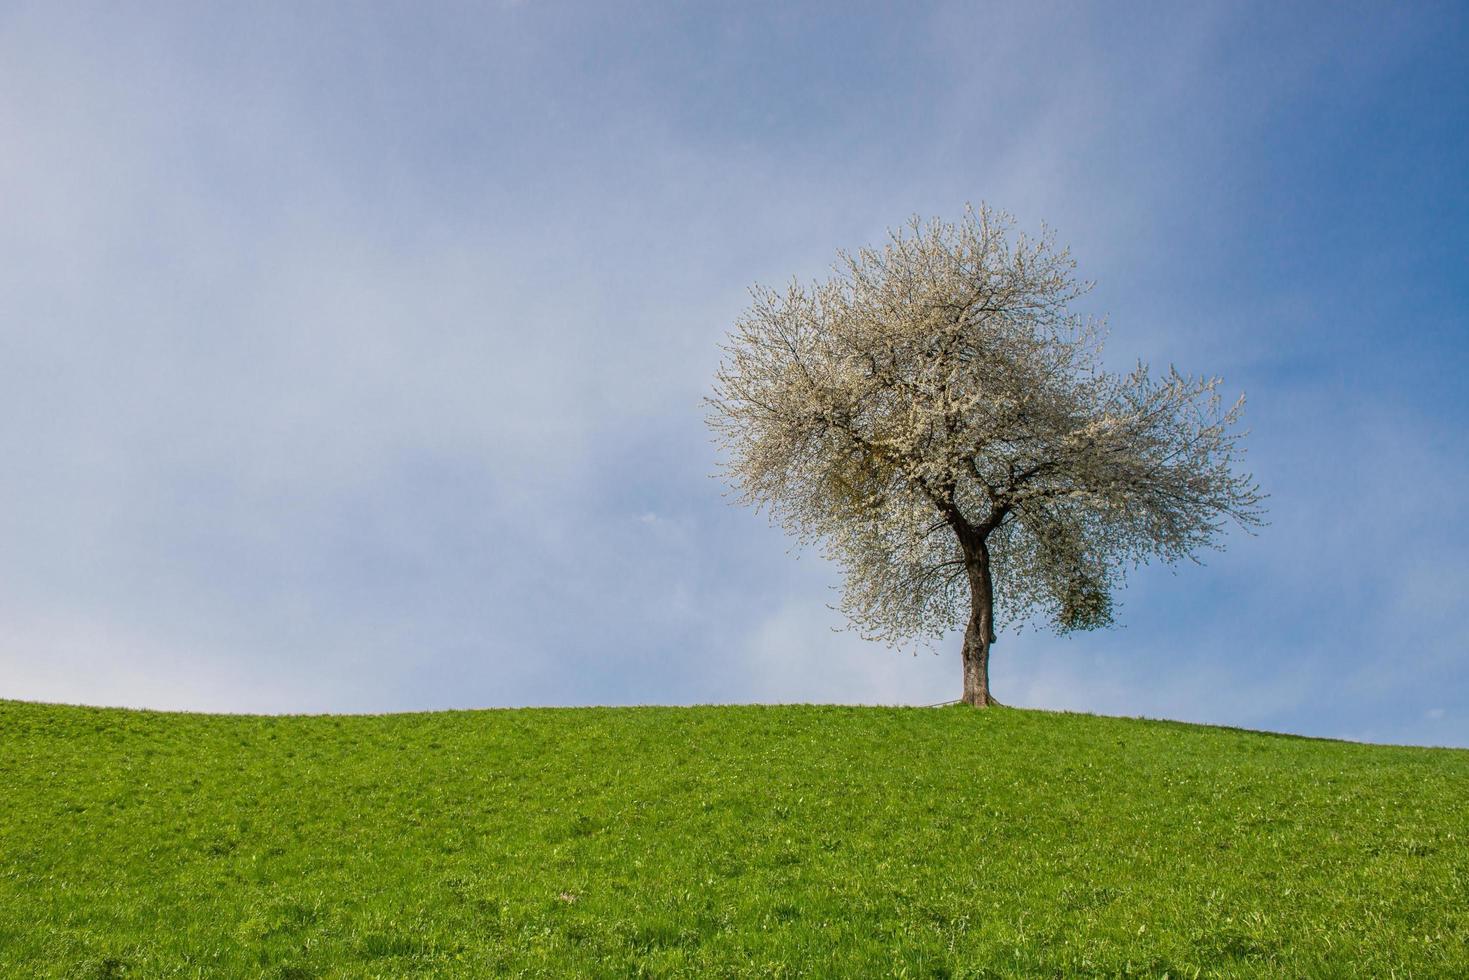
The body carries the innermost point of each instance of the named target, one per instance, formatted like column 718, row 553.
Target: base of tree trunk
column 981, row 701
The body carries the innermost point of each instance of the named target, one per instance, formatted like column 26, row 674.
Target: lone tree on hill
column 938, row 420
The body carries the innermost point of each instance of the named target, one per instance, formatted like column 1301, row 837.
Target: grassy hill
column 749, row 841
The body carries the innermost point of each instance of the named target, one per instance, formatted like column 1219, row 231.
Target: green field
column 720, row 841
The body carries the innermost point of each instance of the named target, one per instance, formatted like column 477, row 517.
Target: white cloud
column 330, row 384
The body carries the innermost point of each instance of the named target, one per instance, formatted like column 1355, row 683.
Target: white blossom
column 937, row 420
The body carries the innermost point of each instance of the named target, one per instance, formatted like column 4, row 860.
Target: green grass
column 729, row 841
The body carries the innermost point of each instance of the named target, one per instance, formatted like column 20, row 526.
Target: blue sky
column 351, row 357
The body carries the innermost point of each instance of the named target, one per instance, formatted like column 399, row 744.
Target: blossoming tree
column 939, row 421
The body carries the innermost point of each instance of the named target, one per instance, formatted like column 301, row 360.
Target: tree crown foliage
column 936, row 402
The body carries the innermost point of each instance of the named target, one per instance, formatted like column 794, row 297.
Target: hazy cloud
column 354, row 362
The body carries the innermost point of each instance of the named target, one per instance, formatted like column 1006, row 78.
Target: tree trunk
column 980, row 632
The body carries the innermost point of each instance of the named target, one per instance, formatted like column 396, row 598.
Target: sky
column 352, row 356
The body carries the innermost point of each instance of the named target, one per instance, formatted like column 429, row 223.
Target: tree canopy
column 938, row 419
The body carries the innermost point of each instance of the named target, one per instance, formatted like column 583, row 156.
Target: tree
column 939, row 421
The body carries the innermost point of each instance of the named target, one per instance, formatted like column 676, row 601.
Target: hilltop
column 720, row 841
